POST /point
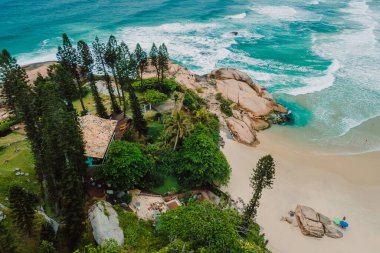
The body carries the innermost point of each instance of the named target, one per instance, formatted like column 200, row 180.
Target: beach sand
column 335, row 185
column 33, row 69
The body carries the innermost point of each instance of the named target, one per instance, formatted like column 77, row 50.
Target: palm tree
column 179, row 125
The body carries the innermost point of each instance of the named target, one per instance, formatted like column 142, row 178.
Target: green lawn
column 15, row 153
column 170, row 185
column 90, row 104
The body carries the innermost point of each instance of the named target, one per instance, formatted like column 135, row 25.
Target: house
column 98, row 133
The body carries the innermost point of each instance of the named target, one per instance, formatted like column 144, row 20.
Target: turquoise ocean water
column 321, row 58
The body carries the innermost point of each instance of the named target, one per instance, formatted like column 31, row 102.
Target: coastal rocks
column 105, row 223
column 241, row 131
column 308, row 221
column 315, row 224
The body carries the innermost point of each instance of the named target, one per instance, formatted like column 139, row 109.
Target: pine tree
column 110, row 58
column 99, row 51
column 62, row 78
column 130, row 75
column 6, row 240
column 47, row 233
column 22, row 204
column 154, row 60
column 142, row 61
column 262, row 178
column 163, row 61
column 122, row 60
column 61, row 132
column 67, row 56
column 86, row 64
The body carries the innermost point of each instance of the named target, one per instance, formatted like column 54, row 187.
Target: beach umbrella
column 337, row 221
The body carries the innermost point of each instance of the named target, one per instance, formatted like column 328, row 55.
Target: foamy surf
column 237, row 16
column 319, row 83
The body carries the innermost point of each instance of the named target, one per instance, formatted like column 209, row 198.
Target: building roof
column 97, row 134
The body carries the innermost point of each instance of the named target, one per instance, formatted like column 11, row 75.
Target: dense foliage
column 203, row 164
column 126, row 165
column 155, row 97
column 192, row 101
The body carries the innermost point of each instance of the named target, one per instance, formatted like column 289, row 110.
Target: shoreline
column 335, row 185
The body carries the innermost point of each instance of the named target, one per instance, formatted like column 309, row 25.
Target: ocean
column 320, row 58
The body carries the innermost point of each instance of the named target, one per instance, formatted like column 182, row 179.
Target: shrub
column 5, row 125
column 192, row 101
column 155, row 97
column 225, row 105
column 203, row 164
column 150, row 115
column 167, row 86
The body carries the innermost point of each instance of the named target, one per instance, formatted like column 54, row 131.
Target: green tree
column 47, row 233
column 23, row 204
column 155, row 97
column 62, row 78
column 110, row 246
column 111, row 57
column 262, row 178
column 125, row 166
column 99, row 50
column 203, row 164
column 7, row 244
column 163, row 61
column 177, row 126
column 67, row 56
column 203, row 226
column 153, row 55
column 123, row 70
column 46, row 247
column 142, row 61
column 86, row 63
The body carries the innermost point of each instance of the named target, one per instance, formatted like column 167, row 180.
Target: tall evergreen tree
column 262, row 178
column 138, row 119
column 142, row 61
column 123, row 56
column 154, row 60
column 67, row 56
column 99, row 52
column 110, row 57
column 163, row 61
column 22, row 204
column 86, row 63
column 60, row 131
column 62, row 78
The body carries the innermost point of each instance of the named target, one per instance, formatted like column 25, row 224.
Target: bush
column 225, row 105
column 192, row 101
column 203, row 164
column 5, row 126
column 127, row 198
column 167, row 87
column 150, row 115
column 155, row 97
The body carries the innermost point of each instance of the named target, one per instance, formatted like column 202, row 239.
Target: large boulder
column 308, row 221
column 241, row 131
column 105, row 223
column 240, row 89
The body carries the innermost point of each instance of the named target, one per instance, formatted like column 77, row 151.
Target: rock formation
column 315, row 224
column 105, row 223
column 255, row 109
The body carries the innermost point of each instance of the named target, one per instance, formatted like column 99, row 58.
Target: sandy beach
column 334, row 185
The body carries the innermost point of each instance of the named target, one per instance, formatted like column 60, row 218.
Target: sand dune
column 334, row 185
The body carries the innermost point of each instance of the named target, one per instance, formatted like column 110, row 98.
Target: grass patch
column 139, row 235
column 15, row 153
column 170, row 185
column 154, row 131
column 89, row 103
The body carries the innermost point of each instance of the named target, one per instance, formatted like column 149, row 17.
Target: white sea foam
column 198, row 45
column 319, row 83
column 40, row 55
column 237, row 16
column 277, row 12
